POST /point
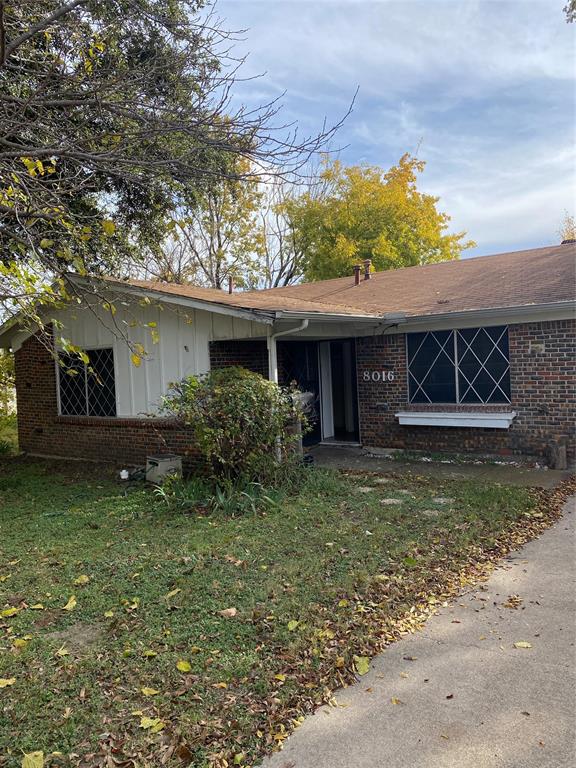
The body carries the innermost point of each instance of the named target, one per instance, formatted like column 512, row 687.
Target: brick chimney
column 367, row 264
column 357, row 269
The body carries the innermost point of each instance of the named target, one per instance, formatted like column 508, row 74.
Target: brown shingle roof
column 522, row 278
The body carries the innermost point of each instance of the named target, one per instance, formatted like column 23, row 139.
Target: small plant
column 241, row 499
column 238, row 420
column 184, row 495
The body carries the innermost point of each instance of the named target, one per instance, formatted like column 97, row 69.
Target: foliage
column 216, row 241
column 567, row 229
column 237, row 419
column 113, row 117
column 570, row 11
column 7, row 381
column 368, row 213
column 309, row 587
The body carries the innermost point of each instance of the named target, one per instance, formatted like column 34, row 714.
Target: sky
column 482, row 90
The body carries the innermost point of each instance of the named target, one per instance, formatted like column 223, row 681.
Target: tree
column 365, row 212
column 567, row 229
column 6, row 381
column 113, row 116
column 570, row 11
column 217, row 240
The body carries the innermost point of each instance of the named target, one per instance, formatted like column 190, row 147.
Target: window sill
column 493, row 420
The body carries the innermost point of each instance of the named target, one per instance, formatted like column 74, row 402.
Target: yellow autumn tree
column 366, row 212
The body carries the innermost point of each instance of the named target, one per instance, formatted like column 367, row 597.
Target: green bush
column 239, row 423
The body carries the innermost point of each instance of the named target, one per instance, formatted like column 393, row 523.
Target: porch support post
column 272, row 358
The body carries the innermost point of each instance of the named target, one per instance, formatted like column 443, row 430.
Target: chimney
column 367, row 265
column 230, row 284
column 357, row 269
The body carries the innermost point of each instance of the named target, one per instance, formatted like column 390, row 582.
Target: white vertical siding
column 181, row 350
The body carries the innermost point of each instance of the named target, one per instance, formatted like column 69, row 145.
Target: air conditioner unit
column 160, row 467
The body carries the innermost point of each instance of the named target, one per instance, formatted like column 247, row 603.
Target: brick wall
column 247, row 353
column 42, row 431
column 542, row 385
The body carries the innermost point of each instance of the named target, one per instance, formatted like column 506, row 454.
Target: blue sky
column 484, row 89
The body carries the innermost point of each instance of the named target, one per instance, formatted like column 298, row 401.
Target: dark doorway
column 298, row 362
column 344, row 390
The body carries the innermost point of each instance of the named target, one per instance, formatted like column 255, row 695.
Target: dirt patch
column 78, row 638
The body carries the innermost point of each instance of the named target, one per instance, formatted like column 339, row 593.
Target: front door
column 338, row 392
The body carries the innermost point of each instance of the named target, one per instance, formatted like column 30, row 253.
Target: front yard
column 131, row 635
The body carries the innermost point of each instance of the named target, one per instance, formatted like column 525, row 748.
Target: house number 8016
column 378, row 375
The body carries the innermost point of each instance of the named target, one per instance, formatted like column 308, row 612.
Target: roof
column 521, row 279
column 517, row 279
column 264, row 300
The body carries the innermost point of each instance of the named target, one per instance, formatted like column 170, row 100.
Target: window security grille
column 88, row 390
column 463, row 366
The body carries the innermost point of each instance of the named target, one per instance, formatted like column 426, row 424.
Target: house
column 475, row 355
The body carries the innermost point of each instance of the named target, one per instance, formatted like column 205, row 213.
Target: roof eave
column 554, row 310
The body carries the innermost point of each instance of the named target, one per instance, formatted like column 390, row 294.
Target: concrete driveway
column 459, row 694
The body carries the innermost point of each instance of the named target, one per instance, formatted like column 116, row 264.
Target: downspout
column 272, row 354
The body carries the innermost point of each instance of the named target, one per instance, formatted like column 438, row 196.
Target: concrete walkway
column 507, row 473
column 459, row 694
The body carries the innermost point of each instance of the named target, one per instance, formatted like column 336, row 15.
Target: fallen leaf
column 280, row 677
column 183, row 666
column 522, row 644
column 149, row 691
column 9, row 612
column 395, row 701
column 228, row 613
column 37, row 607
column 361, row 664
column 108, row 614
column 172, row 593
column 292, row 624
column 71, row 604
column 149, row 653
column 195, row 649
column 152, row 724
column 19, row 642
column 220, row 685
column 33, row 760
column 6, row 681
column 62, row 651
column 83, row 579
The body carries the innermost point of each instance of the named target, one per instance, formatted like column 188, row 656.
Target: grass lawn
column 8, row 434
column 104, row 594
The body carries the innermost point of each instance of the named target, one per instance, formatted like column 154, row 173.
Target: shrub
column 239, row 421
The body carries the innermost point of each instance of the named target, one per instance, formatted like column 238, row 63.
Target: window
column 465, row 366
column 88, row 389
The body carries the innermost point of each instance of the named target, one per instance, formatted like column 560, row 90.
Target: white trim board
column 493, row 420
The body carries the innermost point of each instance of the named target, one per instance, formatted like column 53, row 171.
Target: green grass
column 8, row 435
column 312, row 560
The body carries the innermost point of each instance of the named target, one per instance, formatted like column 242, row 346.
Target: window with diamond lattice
column 463, row 366
column 88, row 389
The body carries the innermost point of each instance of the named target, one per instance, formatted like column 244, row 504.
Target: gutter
column 272, row 351
column 554, row 310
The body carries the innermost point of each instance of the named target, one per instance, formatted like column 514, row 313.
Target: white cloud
column 487, row 85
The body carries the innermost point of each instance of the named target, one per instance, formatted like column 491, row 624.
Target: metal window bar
column 482, row 365
column 98, row 400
